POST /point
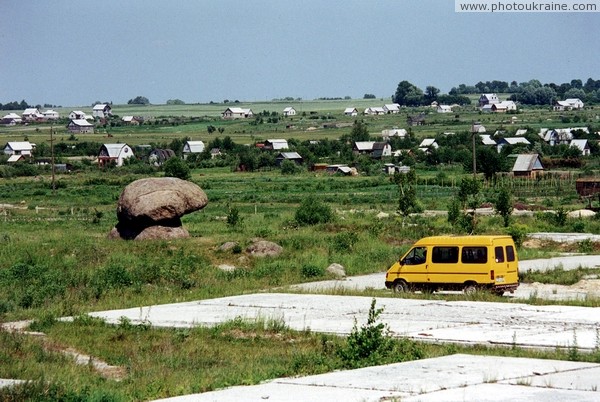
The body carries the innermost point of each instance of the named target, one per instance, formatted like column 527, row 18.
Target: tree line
column 532, row 92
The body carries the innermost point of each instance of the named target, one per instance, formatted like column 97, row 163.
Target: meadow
column 56, row 259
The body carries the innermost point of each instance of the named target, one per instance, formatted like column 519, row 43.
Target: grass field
column 56, row 259
column 192, row 120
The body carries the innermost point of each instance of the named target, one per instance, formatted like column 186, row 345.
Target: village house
column 80, row 126
column 32, row 114
column 289, row 111
column 521, row 132
column 568, row 104
column 488, row 99
column 417, row 120
column 527, row 165
column 350, row 111
column 444, row 109
column 504, row 106
column 341, row 169
column 376, row 150
column 393, row 132
column 11, row 119
column 236, row 113
column 288, row 156
column 428, row 144
column 79, row 115
column 192, row 147
column 391, row 108
column 215, row 153
column 275, row 145
column 50, row 115
column 502, row 142
column 18, row 150
column 487, row 139
column 114, row 153
column 582, row 145
column 130, row 120
column 101, row 111
column 159, row 156
column 374, row 111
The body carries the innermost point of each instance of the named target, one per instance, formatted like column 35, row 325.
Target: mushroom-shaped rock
column 159, row 199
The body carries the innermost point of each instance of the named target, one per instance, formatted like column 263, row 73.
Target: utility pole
column 52, row 158
column 474, row 131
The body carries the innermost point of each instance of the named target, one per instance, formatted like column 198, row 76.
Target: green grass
column 560, row 276
column 56, row 260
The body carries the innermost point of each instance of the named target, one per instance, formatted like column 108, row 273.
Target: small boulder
column 226, row 268
column 264, row 248
column 336, row 270
column 228, row 246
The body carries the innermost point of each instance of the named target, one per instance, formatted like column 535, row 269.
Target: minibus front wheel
column 400, row 286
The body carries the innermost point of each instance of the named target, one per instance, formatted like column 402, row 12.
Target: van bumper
column 511, row 287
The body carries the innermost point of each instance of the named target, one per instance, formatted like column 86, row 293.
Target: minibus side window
column 474, row 255
column 510, row 253
column 444, row 255
column 499, row 254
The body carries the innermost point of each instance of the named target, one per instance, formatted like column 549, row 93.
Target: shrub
column 311, row 271
column 312, row 211
column 518, row 233
column 344, row 241
column 369, row 343
column 175, row 167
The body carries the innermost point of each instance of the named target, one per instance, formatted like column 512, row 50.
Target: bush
column 290, row 167
column 312, row 271
column 175, row 167
column 344, row 241
column 312, row 211
column 518, row 233
column 368, row 344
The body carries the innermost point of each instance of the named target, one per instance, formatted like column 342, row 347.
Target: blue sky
column 75, row 52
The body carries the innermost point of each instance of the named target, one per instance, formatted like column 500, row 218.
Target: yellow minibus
column 466, row 263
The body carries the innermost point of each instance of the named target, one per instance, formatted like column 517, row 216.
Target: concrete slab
column 456, row 377
column 9, row 383
column 429, row 320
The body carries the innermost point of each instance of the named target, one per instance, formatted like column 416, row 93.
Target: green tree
column 313, row 211
column 138, row 100
column 359, row 132
column 504, row 205
column 407, row 200
column 431, row 94
column 408, row 94
column 176, row 167
column 469, row 197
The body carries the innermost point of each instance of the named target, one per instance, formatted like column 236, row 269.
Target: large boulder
column 159, row 199
column 152, row 208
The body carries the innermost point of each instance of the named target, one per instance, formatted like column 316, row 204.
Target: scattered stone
column 581, row 213
column 264, row 248
column 226, row 268
column 336, row 270
column 383, row 215
column 227, row 246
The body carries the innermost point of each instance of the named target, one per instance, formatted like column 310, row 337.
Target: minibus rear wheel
column 400, row 286
column 470, row 288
